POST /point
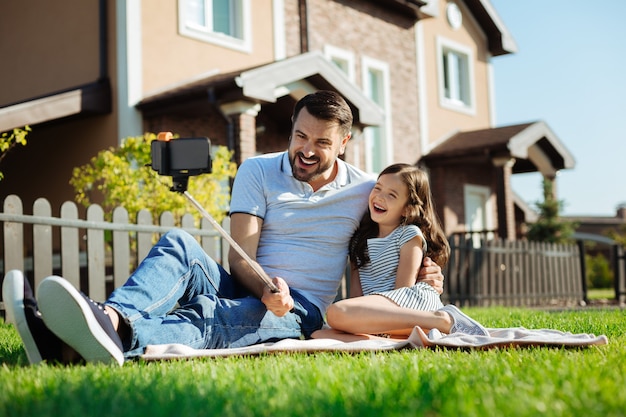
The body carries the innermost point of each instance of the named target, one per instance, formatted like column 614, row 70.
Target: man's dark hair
column 326, row 105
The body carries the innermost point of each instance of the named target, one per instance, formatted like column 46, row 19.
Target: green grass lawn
column 499, row 382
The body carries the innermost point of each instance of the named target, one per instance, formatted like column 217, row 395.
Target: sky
column 569, row 71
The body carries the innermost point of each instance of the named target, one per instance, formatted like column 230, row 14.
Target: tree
column 122, row 177
column 549, row 227
column 9, row 140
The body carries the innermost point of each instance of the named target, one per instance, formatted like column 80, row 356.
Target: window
column 478, row 217
column 342, row 58
column 455, row 76
column 455, row 80
column 223, row 22
column 379, row 149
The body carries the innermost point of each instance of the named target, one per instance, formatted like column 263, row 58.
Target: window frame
column 343, row 58
column 463, row 97
column 487, row 208
column 241, row 41
column 384, row 131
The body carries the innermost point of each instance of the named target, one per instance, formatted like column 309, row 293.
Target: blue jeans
column 179, row 294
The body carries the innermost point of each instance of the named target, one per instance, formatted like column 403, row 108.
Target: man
column 292, row 212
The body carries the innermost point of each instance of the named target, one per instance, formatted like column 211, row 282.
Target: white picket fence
column 94, row 255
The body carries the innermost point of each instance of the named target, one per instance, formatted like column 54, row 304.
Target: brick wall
column 447, row 184
column 369, row 31
column 210, row 123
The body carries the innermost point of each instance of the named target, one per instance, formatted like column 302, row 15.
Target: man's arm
column 431, row 274
column 245, row 229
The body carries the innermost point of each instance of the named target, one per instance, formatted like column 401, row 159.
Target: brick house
column 417, row 75
column 598, row 228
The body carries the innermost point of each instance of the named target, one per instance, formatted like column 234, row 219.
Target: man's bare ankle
column 114, row 316
column 120, row 326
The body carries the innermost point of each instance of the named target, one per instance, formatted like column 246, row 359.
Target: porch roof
column 533, row 146
column 279, row 84
column 83, row 100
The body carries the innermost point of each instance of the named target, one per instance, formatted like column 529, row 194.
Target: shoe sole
column 13, row 296
column 68, row 315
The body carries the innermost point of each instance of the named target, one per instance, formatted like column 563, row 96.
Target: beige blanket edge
column 498, row 338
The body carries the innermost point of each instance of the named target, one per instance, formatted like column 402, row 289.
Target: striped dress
column 379, row 275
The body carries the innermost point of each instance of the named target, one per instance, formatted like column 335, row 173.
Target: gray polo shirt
column 305, row 234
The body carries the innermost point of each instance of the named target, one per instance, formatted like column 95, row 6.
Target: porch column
column 242, row 115
column 503, row 168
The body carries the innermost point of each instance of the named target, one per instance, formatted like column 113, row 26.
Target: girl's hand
column 279, row 303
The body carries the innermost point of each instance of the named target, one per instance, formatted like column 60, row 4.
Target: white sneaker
column 79, row 321
column 462, row 323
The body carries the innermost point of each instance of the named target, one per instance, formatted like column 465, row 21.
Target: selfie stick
column 257, row 268
column 166, row 136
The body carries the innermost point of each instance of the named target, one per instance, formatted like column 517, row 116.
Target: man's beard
column 306, row 176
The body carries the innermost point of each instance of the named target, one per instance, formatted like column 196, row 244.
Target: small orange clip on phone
column 165, row 136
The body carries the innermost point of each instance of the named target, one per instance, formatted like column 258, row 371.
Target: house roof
column 305, row 72
column 500, row 40
column 292, row 77
column 88, row 99
column 410, row 7
column 533, row 145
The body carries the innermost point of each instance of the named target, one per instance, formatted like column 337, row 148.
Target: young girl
column 400, row 229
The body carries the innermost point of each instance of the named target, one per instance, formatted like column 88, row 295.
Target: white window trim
column 446, row 44
column 332, row 52
column 129, row 67
column 280, row 48
column 422, row 92
column 492, row 93
column 368, row 63
column 201, row 33
column 486, row 193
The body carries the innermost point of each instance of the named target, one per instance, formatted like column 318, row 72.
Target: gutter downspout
column 304, row 26
column 104, row 46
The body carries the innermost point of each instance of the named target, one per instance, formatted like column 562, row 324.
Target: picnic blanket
column 498, row 338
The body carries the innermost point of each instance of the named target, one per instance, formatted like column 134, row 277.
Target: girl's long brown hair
column 421, row 213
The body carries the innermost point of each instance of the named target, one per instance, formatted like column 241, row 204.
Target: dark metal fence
column 619, row 267
column 485, row 272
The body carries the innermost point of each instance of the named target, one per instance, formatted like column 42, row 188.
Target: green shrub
column 599, row 273
column 8, row 140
